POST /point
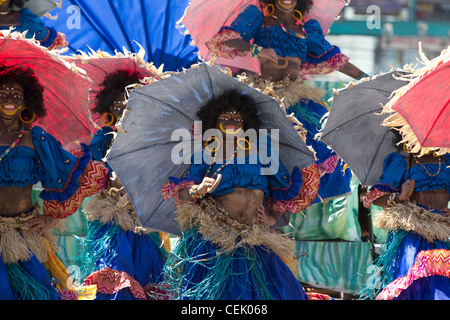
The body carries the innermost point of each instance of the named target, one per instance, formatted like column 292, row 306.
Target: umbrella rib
column 144, row 148
column 164, row 103
column 119, row 22
column 146, row 27
column 111, row 45
column 57, row 97
column 344, row 123
column 381, row 142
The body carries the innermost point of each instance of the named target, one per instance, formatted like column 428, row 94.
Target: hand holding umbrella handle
column 407, row 190
column 215, row 185
column 411, row 190
column 208, row 185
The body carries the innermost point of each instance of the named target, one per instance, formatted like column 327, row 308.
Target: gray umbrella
column 353, row 128
column 39, row 7
column 141, row 156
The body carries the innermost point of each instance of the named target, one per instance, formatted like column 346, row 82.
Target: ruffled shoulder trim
column 59, row 169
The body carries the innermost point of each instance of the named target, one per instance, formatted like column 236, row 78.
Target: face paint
column 11, row 98
column 286, row 5
column 230, row 122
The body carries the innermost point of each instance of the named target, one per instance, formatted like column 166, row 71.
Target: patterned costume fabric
column 251, row 265
column 123, row 259
column 414, row 260
column 28, row 261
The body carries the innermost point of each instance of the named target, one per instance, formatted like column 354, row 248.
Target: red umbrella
column 422, row 107
column 98, row 64
column 66, row 88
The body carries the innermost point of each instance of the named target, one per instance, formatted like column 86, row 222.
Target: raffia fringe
column 17, row 244
column 110, row 206
column 286, row 93
column 412, row 218
column 215, row 225
column 395, row 119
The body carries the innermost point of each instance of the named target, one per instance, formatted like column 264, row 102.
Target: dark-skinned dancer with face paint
column 290, row 46
column 117, row 247
column 227, row 250
column 29, row 267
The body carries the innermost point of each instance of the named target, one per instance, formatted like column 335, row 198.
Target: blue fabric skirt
column 139, row 255
column 199, row 270
column 435, row 287
column 26, row 280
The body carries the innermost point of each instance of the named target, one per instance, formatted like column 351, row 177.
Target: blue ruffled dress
column 405, row 245
column 203, row 270
column 312, row 50
column 107, row 246
column 58, row 171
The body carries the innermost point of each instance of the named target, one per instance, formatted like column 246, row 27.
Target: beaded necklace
column 5, row 153
column 222, row 166
column 288, row 31
column 429, row 174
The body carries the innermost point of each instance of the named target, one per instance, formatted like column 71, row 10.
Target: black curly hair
column 16, row 3
column 227, row 101
column 302, row 5
column 113, row 84
column 32, row 89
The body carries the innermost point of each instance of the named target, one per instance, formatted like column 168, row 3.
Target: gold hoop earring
column 107, row 114
column 245, row 141
column 300, row 16
column 271, row 12
column 206, row 144
column 29, row 120
column 406, row 149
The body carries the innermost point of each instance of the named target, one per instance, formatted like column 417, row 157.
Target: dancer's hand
column 407, row 190
column 208, row 185
column 41, row 224
column 264, row 218
column 445, row 211
column 270, row 54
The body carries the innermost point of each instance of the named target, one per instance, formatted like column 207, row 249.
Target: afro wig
column 16, row 3
column 113, row 84
column 227, row 101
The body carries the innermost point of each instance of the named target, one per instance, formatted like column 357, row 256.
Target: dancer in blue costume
column 227, row 250
column 418, row 225
column 288, row 48
column 29, row 267
column 117, row 247
column 25, row 20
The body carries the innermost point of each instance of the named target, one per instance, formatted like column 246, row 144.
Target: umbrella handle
column 215, row 185
column 413, row 182
column 281, row 66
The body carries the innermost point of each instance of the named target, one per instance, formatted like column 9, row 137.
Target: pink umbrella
column 204, row 18
column 66, row 88
column 98, row 65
